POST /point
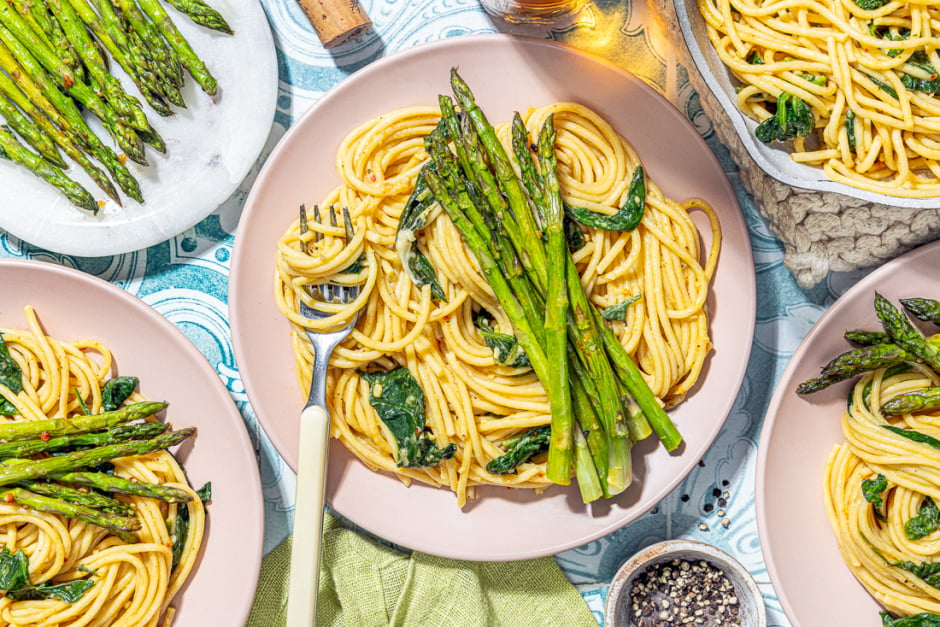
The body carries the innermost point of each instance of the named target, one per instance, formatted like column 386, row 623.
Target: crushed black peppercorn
column 683, row 592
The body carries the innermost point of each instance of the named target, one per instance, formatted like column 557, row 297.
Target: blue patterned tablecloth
column 186, row 278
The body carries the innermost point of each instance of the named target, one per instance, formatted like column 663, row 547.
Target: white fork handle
column 308, row 517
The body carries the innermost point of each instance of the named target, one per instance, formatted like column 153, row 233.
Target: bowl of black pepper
column 682, row 583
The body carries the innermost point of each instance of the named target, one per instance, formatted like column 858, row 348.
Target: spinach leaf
column 14, row 578
column 915, row 436
column 520, row 449
column 924, row 619
column 419, row 210
column 627, row 218
column 398, row 399
column 413, row 215
column 14, row 569
column 355, row 267
column 870, row 5
column 69, row 592
column 793, row 118
column 850, row 131
column 81, row 402
column 889, row 34
column 898, row 369
column 115, row 391
column 205, row 493
column 755, row 59
column 888, row 89
column 899, row 35
column 920, row 60
column 11, row 376
column 422, row 273
column 815, row 79
column 178, row 528
column 929, row 572
column 573, row 235
column 506, row 348
column 926, row 521
column 872, row 489
column 619, row 311
column 105, row 467
column 929, row 85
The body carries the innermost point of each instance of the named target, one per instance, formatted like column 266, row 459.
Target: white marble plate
column 211, row 145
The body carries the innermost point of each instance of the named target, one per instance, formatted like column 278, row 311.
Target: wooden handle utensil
column 336, row 21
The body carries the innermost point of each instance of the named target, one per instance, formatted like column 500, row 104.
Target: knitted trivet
column 820, row 231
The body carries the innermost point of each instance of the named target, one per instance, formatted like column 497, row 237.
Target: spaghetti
column 656, row 274
column 134, row 582
column 901, row 478
column 869, row 77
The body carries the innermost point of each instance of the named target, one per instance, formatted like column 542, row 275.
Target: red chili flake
column 446, row 318
column 44, row 436
column 8, row 497
column 68, row 82
column 417, row 430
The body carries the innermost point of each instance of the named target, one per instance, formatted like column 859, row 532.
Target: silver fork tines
column 325, row 341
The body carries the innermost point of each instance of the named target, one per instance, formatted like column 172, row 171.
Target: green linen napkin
column 363, row 583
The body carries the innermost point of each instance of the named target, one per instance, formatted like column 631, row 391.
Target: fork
column 314, row 445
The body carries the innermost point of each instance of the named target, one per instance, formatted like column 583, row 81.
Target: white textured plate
column 814, row 585
column 75, row 305
column 211, row 146
column 506, row 73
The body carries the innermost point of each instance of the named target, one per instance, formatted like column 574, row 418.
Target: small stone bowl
column 619, row 612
